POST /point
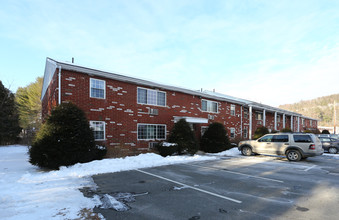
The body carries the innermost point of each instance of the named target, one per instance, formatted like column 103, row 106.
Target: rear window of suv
column 302, row 138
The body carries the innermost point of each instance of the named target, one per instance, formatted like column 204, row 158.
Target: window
column 302, row 138
column 267, row 138
column 246, row 113
column 209, row 106
column 245, row 132
column 203, row 130
column 97, row 88
column 233, row 110
column 280, row 138
column 278, row 118
column 232, row 132
column 151, row 97
column 98, row 128
column 258, row 116
column 303, row 122
column 151, row 132
column 311, row 122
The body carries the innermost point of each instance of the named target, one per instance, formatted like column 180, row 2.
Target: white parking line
column 191, row 187
column 237, row 173
column 310, row 168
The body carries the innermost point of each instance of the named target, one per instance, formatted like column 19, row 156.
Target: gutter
column 59, row 85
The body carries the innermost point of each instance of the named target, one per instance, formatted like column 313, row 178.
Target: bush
column 325, row 132
column 215, row 139
column 286, row 130
column 184, row 137
column 261, row 131
column 167, row 149
column 65, row 139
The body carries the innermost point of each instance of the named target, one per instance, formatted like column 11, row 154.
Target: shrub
column 184, row 137
column 325, row 132
column 286, row 130
column 259, row 132
column 65, row 139
column 167, row 149
column 308, row 131
column 215, row 139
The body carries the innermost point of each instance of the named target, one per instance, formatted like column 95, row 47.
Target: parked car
column 336, row 136
column 330, row 145
column 294, row 146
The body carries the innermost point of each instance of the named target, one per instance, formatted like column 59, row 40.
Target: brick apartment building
column 129, row 115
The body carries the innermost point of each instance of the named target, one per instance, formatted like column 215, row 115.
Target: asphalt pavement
column 255, row 187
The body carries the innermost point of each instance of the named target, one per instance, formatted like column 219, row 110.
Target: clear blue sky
column 274, row 52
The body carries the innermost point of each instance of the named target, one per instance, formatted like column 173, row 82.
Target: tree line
column 20, row 113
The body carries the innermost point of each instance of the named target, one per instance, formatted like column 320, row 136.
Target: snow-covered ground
column 28, row 192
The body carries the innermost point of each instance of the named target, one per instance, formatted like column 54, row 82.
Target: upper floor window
column 151, row 97
column 259, row 115
column 278, row 118
column 97, row 88
column 209, row 106
column 233, row 110
column 311, row 122
column 98, row 128
column 246, row 113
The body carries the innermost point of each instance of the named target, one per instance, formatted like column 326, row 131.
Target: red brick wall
column 121, row 113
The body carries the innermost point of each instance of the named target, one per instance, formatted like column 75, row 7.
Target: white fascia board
column 50, row 68
column 192, row 120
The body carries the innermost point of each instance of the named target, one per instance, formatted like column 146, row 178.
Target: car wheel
column 293, row 155
column 246, row 151
column 332, row 150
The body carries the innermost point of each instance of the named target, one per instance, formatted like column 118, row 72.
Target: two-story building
column 129, row 115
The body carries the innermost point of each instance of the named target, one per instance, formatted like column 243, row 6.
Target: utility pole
column 334, row 117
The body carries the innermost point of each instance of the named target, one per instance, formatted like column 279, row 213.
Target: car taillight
column 312, row 147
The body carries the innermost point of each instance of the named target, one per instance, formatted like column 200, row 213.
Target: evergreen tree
column 184, row 137
column 29, row 107
column 9, row 118
column 215, row 139
column 325, row 132
column 65, row 139
column 259, row 132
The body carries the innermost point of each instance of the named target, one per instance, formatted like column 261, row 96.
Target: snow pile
column 28, row 192
column 233, row 152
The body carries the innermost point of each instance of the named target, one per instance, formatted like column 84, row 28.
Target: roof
column 52, row 65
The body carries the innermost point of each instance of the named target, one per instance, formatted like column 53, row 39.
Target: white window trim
column 90, row 88
column 207, row 104
column 152, row 139
column 90, row 122
column 156, row 97
column 262, row 116
column 231, row 110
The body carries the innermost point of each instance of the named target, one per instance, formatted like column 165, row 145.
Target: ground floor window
column 98, row 128
column 203, row 130
column 151, row 132
column 245, row 132
column 232, row 132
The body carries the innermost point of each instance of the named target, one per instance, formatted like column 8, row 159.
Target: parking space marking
column 237, row 173
column 310, row 168
column 191, row 187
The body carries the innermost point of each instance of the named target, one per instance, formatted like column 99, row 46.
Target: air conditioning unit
column 211, row 117
column 153, row 111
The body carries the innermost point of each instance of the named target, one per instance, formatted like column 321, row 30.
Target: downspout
column 241, row 135
column 59, row 85
column 250, row 127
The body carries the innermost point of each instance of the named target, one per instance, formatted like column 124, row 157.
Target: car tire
column 332, row 150
column 246, row 151
column 293, row 155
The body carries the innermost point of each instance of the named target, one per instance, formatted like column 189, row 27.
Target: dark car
column 330, row 145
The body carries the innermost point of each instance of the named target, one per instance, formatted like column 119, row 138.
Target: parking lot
column 256, row 187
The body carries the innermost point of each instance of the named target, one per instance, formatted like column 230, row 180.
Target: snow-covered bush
column 64, row 139
column 215, row 139
column 184, row 137
column 167, row 149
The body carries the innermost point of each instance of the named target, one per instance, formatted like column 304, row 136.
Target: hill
column 320, row 108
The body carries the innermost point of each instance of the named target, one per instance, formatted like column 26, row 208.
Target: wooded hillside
column 320, row 108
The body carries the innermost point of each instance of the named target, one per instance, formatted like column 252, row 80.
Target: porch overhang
column 193, row 120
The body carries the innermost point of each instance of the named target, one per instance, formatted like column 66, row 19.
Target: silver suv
column 294, row 146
